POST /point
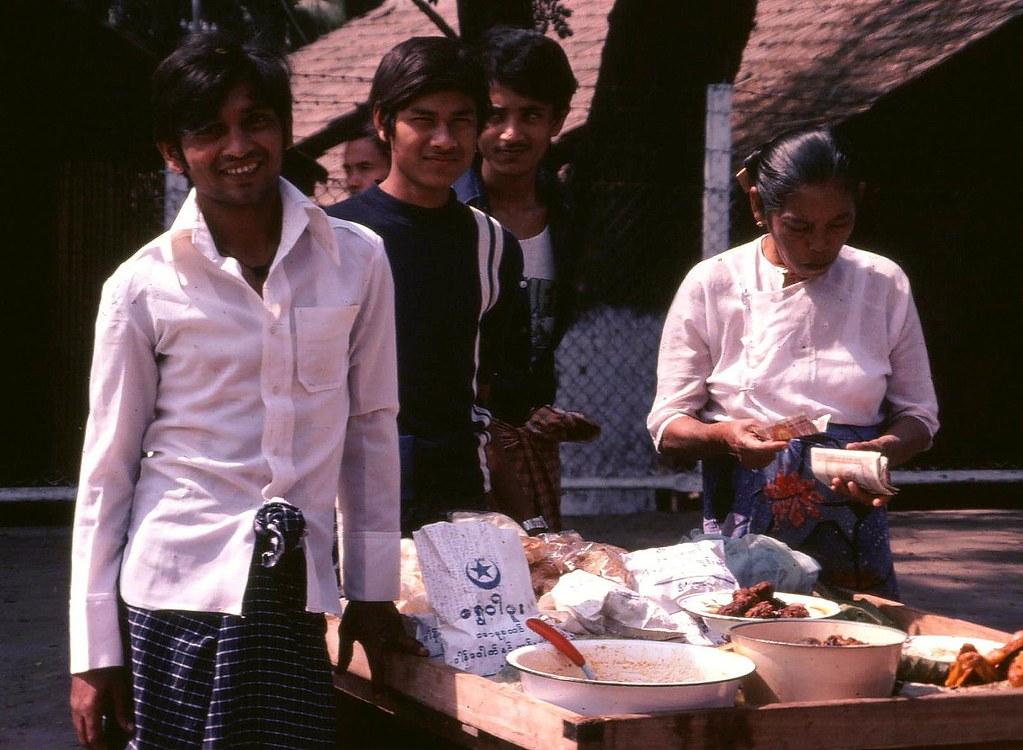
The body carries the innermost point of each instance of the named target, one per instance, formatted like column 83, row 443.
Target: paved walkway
column 961, row 563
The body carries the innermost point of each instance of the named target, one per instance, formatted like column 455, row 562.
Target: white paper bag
column 603, row 607
column 669, row 574
column 477, row 582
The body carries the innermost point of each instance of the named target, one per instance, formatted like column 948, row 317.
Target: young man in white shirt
column 243, row 380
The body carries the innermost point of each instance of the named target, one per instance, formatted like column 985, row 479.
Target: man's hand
column 95, row 694
column 377, row 626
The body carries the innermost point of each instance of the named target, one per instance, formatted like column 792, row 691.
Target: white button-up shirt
column 207, row 400
column 738, row 344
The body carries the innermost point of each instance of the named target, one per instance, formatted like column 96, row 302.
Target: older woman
column 796, row 322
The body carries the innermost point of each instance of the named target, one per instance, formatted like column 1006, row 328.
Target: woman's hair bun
column 752, row 163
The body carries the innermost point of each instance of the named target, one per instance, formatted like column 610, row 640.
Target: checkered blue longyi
column 209, row 681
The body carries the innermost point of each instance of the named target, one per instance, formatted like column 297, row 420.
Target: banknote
column 798, row 426
column 869, row 469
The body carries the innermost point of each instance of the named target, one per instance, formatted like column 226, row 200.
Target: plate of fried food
column 723, row 610
column 960, row 661
column 927, row 658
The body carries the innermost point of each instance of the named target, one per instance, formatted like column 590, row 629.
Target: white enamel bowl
column 633, row 676
column 788, row 670
column 705, row 606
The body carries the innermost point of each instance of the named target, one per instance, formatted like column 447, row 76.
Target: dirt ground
column 964, row 563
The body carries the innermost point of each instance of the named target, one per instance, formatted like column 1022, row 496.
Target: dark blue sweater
column 435, row 263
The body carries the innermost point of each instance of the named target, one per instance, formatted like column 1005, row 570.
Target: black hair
column 193, row 82
column 368, row 131
column 796, row 158
column 530, row 64
column 426, row 65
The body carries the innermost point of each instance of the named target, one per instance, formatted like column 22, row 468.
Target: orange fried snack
column 1015, row 673
column 1005, row 662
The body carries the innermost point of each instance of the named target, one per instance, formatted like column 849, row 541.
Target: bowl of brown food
column 631, row 676
column 818, row 660
column 723, row 610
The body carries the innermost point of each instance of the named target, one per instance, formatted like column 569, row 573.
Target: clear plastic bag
column 551, row 556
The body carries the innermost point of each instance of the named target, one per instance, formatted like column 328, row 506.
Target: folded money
column 869, row 469
column 798, row 426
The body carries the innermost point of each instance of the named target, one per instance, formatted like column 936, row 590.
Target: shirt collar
column 470, row 189
column 298, row 213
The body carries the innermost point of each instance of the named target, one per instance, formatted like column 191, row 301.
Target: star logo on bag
column 483, row 573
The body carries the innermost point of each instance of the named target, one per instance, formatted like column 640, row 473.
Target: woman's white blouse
column 737, row 344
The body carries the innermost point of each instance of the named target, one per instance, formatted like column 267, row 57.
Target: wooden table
column 476, row 712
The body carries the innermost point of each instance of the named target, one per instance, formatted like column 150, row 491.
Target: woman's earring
column 760, row 223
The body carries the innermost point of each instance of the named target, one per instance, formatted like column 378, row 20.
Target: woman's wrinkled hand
column 887, row 445
column 854, row 492
column 748, row 442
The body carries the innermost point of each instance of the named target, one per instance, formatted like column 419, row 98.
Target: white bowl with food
column 818, row 660
column 706, row 606
column 632, row 676
column 927, row 658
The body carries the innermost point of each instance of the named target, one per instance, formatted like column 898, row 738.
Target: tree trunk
column 475, row 17
column 638, row 171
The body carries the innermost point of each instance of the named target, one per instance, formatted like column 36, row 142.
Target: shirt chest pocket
column 321, row 335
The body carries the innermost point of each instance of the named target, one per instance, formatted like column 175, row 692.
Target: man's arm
column 504, row 342
column 370, row 486
column 122, row 395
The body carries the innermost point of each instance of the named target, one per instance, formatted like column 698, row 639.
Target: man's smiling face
column 235, row 158
column 433, row 143
column 518, row 132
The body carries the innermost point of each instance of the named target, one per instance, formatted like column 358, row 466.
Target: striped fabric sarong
column 260, row 680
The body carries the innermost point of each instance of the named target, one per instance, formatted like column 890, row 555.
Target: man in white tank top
column 531, row 87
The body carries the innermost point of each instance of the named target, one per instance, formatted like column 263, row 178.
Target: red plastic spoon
column 561, row 643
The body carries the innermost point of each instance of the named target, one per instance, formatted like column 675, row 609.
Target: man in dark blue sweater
column 460, row 307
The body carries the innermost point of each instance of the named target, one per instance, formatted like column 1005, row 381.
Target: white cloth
column 207, row 400
column 737, row 344
column 538, row 256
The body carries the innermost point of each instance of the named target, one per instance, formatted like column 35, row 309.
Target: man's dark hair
column 193, row 82
column 426, row 65
column 369, row 131
column 530, row 64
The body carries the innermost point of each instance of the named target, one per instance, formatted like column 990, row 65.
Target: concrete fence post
column 717, row 169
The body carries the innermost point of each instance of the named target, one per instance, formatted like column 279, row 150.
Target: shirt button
column 274, row 329
column 276, row 389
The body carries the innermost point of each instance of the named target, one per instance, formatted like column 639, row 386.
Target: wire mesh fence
column 607, row 370
column 332, row 190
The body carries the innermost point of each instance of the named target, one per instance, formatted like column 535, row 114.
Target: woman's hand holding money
column 854, row 492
